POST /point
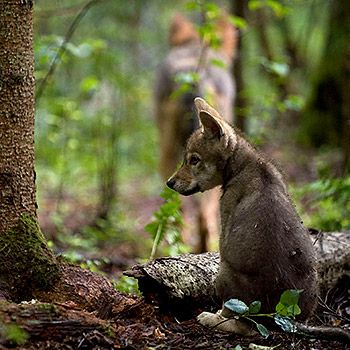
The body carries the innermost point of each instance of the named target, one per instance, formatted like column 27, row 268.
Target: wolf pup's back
column 263, row 244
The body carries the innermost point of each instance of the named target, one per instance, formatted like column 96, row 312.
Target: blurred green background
column 96, row 139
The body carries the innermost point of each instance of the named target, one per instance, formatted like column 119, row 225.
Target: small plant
column 286, row 310
column 325, row 203
column 14, row 334
column 127, row 285
column 167, row 222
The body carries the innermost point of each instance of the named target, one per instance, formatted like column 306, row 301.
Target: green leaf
column 280, row 69
column 254, row 307
column 212, row 11
column 282, row 309
column 219, row 63
column 294, row 310
column 236, row 306
column 288, row 304
column 255, row 4
column 89, row 83
column 294, row 102
column 152, row 228
column 262, row 330
column 238, row 347
column 238, row 22
column 193, row 6
column 187, row 77
column 279, row 9
column 285, row 323
column 290, row 297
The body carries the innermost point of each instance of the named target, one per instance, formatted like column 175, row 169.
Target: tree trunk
column 17, row 176
column 28, row 268
column 25, row 260
column 326, row 119
column 239, row 8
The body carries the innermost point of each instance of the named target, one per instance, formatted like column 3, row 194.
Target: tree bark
column 25, row 261
column 188, row 279
column 239, row 8
column 17, row 176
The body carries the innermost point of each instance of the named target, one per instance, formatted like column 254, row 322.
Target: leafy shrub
column 167, row 224
column 286, row 310
column 127, row 285
column 325, row 204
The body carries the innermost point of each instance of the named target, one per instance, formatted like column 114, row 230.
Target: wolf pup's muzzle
column 171, row 183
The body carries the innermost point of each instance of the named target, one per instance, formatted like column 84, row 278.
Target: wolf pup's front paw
column 224, row 324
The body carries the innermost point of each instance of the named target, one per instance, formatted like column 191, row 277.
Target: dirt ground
column 144, row 326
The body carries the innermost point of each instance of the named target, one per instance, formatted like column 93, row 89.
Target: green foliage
column 276, row 6
column 254, row 307
column 324, row 204
column 286, row 310
column 185, row 81
column 237, row 306
column 247, row 312
column 288, row 304
column 167, row 223
column 94, row 119
column 14, row 334
column 285, row 323
column 127, row 285
column 93, row 265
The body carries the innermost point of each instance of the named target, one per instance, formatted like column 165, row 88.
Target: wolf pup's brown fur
column 174, row 112
column 264, row 248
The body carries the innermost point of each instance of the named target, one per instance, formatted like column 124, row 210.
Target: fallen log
column 189, row 278
column 36, row 322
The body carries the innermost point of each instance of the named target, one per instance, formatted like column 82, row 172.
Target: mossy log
column 189, row 278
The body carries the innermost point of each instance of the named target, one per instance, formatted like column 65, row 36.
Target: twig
column 156, row 241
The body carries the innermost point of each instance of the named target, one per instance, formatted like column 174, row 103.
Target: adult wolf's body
column 174, row 110
column 264, row 248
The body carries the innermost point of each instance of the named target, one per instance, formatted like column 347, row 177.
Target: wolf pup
column 174, row 111
column 264, row 248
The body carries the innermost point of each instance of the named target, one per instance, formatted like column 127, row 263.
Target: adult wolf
column 264, row 248
column 174, row 110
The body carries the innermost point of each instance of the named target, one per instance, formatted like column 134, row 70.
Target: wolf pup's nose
column 171, row 183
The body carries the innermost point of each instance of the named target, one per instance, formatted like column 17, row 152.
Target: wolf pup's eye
column 194, row 160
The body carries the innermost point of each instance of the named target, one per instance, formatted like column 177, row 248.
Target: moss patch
column 26, row 262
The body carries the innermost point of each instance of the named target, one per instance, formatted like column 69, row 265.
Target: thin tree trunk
column 326, row 119
column 239, row 8
column 25, row 261
column 17, row 176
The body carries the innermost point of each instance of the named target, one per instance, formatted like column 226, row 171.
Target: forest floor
column 140, row 324
column 134, row 324
column 145, row 325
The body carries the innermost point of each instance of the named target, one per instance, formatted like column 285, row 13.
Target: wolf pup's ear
column 209, row 118
column 211, row 125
